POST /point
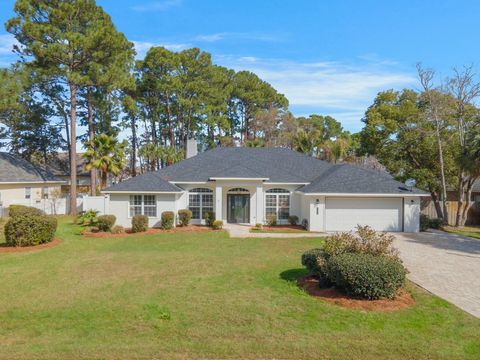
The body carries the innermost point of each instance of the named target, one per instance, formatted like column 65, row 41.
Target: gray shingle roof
column 279, row 165
column 148, row 182
column 352, row 179
column 15, row 169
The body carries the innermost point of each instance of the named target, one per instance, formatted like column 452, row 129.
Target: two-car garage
column 345, row 213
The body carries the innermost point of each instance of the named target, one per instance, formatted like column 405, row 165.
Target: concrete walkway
column 447, row 265
column 243, row 231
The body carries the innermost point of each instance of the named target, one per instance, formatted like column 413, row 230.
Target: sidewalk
column 243, row 231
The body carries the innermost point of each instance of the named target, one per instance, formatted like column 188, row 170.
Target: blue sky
column 327, row 57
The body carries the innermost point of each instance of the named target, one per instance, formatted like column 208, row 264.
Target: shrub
column 217, row 225
column 365, row 275
column 209, row 218
column 305, row 224
column 436, row 223
column 28, row 229
column 19, row 210
column 293, row 219
column 315, row 260
column 167, row 220
column 117, row 229
column 139, row 223
column 424, row 222
column 87, row 218
column 105, row 222
column 271, row 220
column 184, row 216
column 258, row 226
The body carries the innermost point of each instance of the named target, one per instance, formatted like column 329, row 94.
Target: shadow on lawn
column 293, row 274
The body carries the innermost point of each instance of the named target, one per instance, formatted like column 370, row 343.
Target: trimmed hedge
column 184, row 217
column 106, row 222
column 315, row 260
column 293, row 219
column 365, row 275
column 209, row 218
column 27, row 229
column 139, row 223
column 168, row 218
column 19, row 210
column 217, row 225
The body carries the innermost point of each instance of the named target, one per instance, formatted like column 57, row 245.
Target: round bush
column 167, row 220
column 209, row 218
column 117, row 229
column 106, row 222
column 271, row 220
column 18, row 210
column 293, row 219
column 366, row 276
column 217, row 225
column 184, row 217
column 315, row 260
column 139, row 223
column 29, row 230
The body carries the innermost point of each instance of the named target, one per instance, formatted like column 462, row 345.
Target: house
column 245, row 185
column 59, row 166
column 26, row 184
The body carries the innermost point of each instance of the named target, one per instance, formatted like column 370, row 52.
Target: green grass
column 202, row 296
column 278, row 231
column 472, row 231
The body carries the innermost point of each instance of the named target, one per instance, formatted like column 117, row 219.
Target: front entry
column 238, row 208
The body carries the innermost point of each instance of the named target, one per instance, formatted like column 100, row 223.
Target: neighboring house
column 59, row 165
column 245, row 185
column 24, row 183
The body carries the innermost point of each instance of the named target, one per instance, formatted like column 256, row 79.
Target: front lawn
column 472, row 231
column 202, row 296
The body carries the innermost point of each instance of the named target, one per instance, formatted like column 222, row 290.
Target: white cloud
column 333, row 88
column 142, row 47
column 252, row 36
column 156, row 5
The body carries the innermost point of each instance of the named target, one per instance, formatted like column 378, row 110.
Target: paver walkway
column 447, row 265
column 243, row 231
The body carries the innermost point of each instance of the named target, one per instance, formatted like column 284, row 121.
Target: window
column 45, row 192
column 238, row 191
column 28, row 192
column 200, row 200
column 143, row 205
column 277, row 202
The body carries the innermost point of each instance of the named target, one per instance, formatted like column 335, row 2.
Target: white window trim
column 29, row 193
column 277, row 207
column 200, row 206
column 143, row 206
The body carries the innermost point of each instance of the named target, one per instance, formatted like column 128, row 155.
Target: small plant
column 168, row 218
column 436, row 223
column 106, row 222
column 424, row 222
column 117, row 229
column 87, row 218
column 258, row 226
column 217, row 225
column 139, row 223
column 184, row 217
column 209, row 218
column 271, row 220
column 293, row 219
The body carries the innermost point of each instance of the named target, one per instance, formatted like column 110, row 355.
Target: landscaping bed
column 95, row 233
column 333, row 295
column 279, row 229
column 19, row 249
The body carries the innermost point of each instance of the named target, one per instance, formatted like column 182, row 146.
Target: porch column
column 260, row 205
column 218, row 202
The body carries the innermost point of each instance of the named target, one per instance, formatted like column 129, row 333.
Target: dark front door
column 238, row 208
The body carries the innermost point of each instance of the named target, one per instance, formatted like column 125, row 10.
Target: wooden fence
column 473, row 218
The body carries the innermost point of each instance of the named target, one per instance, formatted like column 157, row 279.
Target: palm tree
column 106, row 155
column 306, row 142
column 170, row 155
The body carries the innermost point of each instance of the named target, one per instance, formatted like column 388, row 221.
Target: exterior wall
column 316, row 206
column 120, row 203
column 411, row 214
column 14, row 194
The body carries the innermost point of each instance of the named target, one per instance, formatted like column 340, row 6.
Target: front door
column 238, row 208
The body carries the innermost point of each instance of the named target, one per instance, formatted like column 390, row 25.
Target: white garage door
column 382, row 214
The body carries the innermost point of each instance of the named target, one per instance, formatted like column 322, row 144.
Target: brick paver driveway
column 445, row 264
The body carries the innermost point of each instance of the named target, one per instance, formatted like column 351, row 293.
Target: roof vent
column 192, row 148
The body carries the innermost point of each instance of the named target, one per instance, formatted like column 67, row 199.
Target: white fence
column 97, row 203
column 58, row 206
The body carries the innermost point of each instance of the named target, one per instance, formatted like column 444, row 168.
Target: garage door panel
column 382, row 214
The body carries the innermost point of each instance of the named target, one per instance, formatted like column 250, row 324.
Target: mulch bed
column 333, row 295
column 151, row 231
column 12, row 249
column 282, row 228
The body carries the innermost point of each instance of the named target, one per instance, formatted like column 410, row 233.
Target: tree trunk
column 133, row 160
column 460, row 196
column 73, row 149
column 104, row 179
column 436, row 203
column 442, row 173
column 468, row 202
column 91, row 135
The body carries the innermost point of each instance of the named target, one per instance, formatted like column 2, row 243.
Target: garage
column 382, row 214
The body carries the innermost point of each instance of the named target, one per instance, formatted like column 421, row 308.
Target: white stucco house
column 245, row 185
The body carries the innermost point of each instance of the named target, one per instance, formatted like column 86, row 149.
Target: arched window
column 277, row 202
column 238, row 191
column 200, row 200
